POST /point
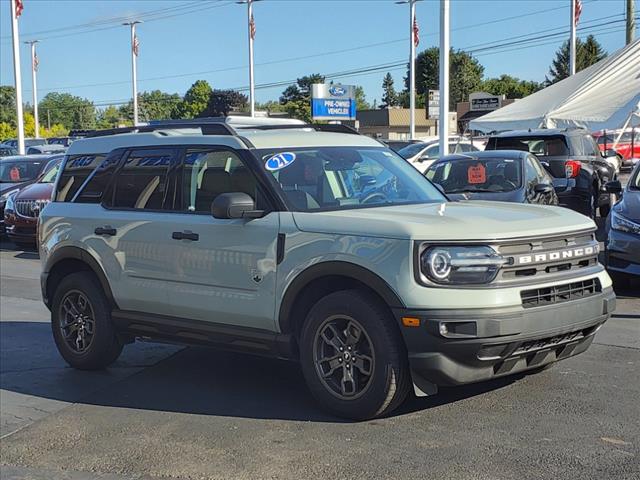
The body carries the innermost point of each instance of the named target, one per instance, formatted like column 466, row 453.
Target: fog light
column 444, row 330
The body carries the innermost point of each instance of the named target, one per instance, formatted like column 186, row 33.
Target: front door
column 222, row 271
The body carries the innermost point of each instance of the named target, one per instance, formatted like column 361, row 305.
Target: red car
column 23, row 208
column 627, row 148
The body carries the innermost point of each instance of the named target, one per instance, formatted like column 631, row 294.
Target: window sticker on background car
column 477, row 174
column 279, row 161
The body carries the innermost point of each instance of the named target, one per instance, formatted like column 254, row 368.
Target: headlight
column 622, row 224
column 460, row 265
column 6, row 195
column 7, row 200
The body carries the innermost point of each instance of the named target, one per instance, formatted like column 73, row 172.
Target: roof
column 485, row 154
column 601, row 96
column 29, row 158
column 540, row 132
column 305, row 138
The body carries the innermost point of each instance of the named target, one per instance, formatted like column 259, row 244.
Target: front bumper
column 21, row 229
column 622, row 252
column 491, row 343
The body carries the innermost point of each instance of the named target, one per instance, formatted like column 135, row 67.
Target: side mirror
column 614, row 186
column 424, row 158
column 235, row 205
column 543, row 188
column 610, row 153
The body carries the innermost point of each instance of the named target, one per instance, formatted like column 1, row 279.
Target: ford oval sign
column 279, row 161
column 336, row 91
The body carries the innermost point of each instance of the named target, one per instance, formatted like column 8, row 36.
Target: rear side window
column 97, row 184
column 142, row 183
column 589, row 145
column 76, row 170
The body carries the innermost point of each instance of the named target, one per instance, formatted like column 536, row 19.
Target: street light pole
column 134, row 68
column 631, row 22
column 251, row 31
column 17, row 75
column 443, row 122
column 412, row 65
column 34, row 68
column 572, row 39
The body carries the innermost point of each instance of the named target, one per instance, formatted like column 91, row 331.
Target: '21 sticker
column 279, row 161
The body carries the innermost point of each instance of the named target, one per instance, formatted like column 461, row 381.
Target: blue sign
column 338, row 109
column 279, row 161
column 337, row 91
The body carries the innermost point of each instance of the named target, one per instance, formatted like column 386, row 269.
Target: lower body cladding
column 455, row 347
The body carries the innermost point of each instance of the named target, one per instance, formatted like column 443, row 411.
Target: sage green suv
column 310, row 243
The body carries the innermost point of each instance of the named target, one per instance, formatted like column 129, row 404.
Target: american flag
column 416, row 32
column 19, row 7
column 136, row 45
column 36, row 61
column 576, row 12
column 252, row 28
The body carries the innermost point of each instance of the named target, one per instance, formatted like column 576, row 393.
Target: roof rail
column 320, row 127
column 207, row 127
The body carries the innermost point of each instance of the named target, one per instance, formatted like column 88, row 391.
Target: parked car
column 7, row 151
column 572, row 158
column 622, row 247
column 23, row 207
column 46, row 149
column 16, row 172
column 64, row 141
column 627, row 148
column 397, row 145
column 28, row 142
column 506, row 176
column 422, row 155
column 263, row 239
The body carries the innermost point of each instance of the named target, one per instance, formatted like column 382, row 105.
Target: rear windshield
column 477, row 175
column 20, row 171
column 541, row 146
column 411, row 150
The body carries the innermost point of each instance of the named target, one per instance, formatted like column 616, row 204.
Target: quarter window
column 76, row 170
column 143, row 181
column 209, row 173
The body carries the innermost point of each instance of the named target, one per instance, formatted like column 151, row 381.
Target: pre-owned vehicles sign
column 333, row 102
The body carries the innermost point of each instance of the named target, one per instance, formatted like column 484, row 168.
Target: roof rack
column 219, row 126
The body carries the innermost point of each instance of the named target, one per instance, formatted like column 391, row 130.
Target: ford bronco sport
column 310, row 243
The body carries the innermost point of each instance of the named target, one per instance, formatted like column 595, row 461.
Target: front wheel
column 353, row 357
column 81, row 323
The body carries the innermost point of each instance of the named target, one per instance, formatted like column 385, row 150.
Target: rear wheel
column 606, row 208
column 81, row 323
column 353, row 357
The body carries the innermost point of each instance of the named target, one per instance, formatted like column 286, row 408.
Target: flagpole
column 17, row 76
column 443, row 121
column 252, row 98
column 412, row 71
column 134, row 70
column 35, row 86
column 572, row 39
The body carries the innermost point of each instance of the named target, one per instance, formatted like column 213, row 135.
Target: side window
column 76, row 170
column 142, row 183
column 433, row 151
column 589, row 146
column 96, row 185
column 532, row 172
column 207, row 173
column 577, row 148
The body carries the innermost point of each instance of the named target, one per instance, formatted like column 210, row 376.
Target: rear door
column 222, row 270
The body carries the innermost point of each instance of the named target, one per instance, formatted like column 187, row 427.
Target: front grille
column 30, row 208
column 539, row 297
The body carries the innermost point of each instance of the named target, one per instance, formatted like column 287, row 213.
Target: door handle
column 185, row 236
column 106, row 230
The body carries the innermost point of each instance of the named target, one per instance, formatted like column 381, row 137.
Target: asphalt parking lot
column 170, row 412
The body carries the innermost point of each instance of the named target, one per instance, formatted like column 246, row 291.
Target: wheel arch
column 325, row 278
column 68, row 260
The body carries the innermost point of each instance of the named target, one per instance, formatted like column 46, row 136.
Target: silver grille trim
column 30, row 208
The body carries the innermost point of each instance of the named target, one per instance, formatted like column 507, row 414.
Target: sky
column 183, row 41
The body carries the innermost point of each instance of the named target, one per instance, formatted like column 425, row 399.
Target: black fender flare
column 75, row 253
column 333, row 268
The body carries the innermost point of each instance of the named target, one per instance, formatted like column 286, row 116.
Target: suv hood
column 469, row 220
column 36, row 191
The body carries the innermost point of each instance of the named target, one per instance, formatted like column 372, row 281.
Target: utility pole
column 48, row 119
column 34, row 69
column 631, row 21
column 15, row 37
column 134, row 68
column 444, row 78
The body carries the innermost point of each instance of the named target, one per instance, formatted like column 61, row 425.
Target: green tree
column 195, row 101
column 68, row 110
column 7, row 131
column 389, row 96
column 296, row 98
column 270, row 106
column 465, row 74
column 509, row 86
column 154, row 105
column 109, row 117
column 8, row 105
column 361, row 99
column 587, row 53
column 221, row 102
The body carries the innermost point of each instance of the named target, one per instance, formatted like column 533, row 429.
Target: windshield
column 6, row 151
column 411, row 150
column 50, row 172
column 16, row 172
column 477, row 175
column 336, row 178
column 634, row 183
column 545, row 146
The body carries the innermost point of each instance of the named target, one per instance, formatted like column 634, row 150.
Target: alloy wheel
column 77, row 321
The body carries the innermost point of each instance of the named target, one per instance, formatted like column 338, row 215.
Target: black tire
column 605, row 209
column 100, row 344
column 591, row 208
column 389, row 381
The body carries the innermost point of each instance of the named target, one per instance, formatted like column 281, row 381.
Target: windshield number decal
column 279, row 161
column 476, row 174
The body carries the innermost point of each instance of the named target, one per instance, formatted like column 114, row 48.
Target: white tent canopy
column 602, row 96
